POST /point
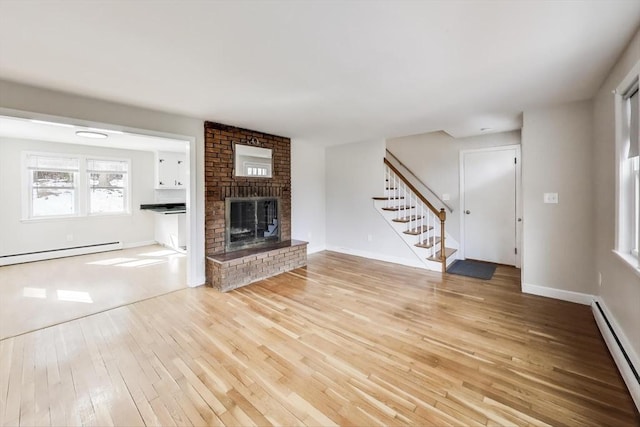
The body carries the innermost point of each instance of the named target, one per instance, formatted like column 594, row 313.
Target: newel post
column 443, row 217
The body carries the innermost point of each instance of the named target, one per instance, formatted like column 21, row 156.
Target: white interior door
column 489, row 204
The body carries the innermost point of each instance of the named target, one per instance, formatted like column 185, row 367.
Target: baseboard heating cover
column 621, row 351
column 59, row 253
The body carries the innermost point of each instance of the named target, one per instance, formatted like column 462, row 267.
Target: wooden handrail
column 449, row 208
column 414, row 189
column 441, row 214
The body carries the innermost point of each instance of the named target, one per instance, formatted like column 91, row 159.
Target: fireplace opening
column 251, row 222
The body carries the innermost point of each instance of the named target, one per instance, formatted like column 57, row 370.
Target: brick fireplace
column 227, row 269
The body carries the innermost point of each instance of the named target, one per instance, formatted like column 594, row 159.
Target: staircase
column 420, row 225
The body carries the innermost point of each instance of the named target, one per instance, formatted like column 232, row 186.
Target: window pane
column 49, row 202
column 106, row 200
column 44, row 178
column 106, row 180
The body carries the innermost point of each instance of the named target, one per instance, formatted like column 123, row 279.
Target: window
column 628, row 150
column 108, row 182
column 52, row 186
column 74, row 185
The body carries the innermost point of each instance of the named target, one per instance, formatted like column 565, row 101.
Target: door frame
column 519, row 219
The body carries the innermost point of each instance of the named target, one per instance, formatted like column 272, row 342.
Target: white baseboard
column 544, row 291
column 633, row 384
column 314, row 249
column 139, row 244
column 59, row 253
column 376, row 256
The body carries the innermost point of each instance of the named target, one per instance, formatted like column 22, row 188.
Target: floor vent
column 626, row 360
column 59, row 253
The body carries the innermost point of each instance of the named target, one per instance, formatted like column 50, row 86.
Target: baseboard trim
column 59, row 253
column 626, row 360
column 315, row 249
column 376, row 256
column 544, row 291
column 139, row 244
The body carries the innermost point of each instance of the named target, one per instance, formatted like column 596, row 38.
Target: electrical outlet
column 599, row 279
column 69, row 237
column 551, row 198
column 369, row 238
column 446, row 197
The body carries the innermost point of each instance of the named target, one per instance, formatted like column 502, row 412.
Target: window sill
column 73, row 217
column 629, row 260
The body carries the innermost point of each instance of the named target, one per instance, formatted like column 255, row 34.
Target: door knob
column 467, row 212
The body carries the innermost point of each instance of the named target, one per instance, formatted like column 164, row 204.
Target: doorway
column 490, row 204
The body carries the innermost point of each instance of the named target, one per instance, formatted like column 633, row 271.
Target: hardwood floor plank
column 344, row 341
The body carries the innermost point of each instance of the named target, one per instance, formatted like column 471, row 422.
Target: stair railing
column 415, row 177
column 404, row 195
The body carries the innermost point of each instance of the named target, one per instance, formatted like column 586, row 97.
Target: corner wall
column 308, row 194
column 620, row 289
column 558, row 239
column 355, row 174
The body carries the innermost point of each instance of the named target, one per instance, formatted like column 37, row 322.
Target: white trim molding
column 60, row 253
column 622, row 352
column 561, row 294
column 373, row 255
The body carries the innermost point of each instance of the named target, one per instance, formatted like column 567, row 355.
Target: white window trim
column 629, row 259
column 82, row 188
column 127, row 193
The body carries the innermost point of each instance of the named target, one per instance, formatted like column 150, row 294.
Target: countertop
column 165, row 208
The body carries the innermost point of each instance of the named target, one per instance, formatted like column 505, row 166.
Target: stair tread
column 407, row 218
column 397, row 208
column 428, row 243
column 418, row 230
column 387, row 198
column 447, row 252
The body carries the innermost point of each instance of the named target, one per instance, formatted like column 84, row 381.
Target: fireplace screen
column 251, row 222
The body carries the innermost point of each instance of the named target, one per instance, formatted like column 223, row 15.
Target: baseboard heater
column 59, row 253
column 627, row 362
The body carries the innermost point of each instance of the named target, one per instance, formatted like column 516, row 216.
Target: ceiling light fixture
column 90, row 134
column 115, row 132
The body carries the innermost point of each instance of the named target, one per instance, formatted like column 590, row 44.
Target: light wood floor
column 38, row 294
column 345, row 341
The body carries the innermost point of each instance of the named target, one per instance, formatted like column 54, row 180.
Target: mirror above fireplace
column 254, row 162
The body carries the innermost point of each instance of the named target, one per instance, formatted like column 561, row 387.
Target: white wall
column 435, row 159
column 27, row 98
column 558, row 239
column 30, row 236
column 355, row 174
column 620, row 288
column 308, row 203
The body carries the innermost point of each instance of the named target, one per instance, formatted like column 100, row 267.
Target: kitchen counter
column 165, row 208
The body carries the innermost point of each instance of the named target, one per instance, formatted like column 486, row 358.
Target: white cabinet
column 171, row 230
column 171, row 170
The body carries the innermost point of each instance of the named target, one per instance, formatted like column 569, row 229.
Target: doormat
column 477, row 269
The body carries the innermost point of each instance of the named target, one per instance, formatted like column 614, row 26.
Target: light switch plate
column 446, row 197
column 551, row 198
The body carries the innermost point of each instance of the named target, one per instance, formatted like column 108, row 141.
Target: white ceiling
column 324, row 71
column 62, row 131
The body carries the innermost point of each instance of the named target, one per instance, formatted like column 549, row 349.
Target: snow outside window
column 108, row 184
column 52, row 188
